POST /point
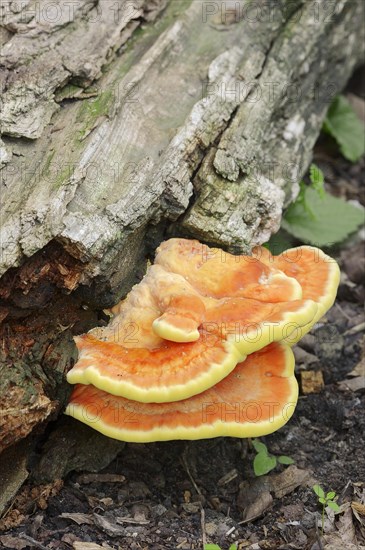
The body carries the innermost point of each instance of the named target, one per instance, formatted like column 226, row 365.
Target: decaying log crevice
column 39, row 314
column 201, row 124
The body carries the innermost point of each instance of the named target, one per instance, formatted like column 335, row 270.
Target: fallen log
column 124, row 123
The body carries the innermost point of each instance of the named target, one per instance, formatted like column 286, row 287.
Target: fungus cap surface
column 174, row 371
column 161, row 299
column 317, row 273
column 255, row 399
column 252, row 325
column 218, row 274
column 170, row 372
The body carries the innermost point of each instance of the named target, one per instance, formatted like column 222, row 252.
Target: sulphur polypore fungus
column 202, row 329
column 257, row 398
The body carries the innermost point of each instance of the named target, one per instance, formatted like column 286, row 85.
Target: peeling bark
column 54, row 43
column 201, row 123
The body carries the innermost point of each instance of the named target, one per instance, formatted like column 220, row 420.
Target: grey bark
column 123, row 122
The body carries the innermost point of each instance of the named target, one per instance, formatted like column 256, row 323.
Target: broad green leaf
column 330, row 219
column 335, row 507
column 211, row 547
column 343, row 124
column 318, row 490
column 258, row 446
column 233, row 547
column 285, row 459
column 322, row 500
column 263, row 463
column 331, row 495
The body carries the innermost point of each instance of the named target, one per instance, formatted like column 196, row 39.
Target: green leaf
column 233, row 547
column 259, row 447
column 331, row 495
column 317, row 180
column 318, row 490
column 285, row 459
column 322, row 500
column 279, row 242
column 332, row 219
column 211, row 547
column 334, row 506
column 343, row 124
column 263, row 463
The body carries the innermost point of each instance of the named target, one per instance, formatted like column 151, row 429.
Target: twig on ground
column 202, row 511
column 202, row 523
column 32, row 541
column 186, row 466
column 318, row 535
column 342, row 311
column 353, row 330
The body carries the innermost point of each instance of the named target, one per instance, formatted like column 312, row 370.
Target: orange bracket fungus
column 257, row 398
column 204, row 335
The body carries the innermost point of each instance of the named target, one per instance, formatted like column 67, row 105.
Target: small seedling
column 325, row 500
column 318, row 218
column 264, row 462
column 216, row 547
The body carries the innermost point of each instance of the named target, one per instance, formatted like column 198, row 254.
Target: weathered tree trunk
column 125, row 122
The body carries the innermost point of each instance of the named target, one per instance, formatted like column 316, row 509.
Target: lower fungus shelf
column 246, row 403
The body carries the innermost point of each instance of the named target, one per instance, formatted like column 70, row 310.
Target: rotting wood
column 201, row 124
